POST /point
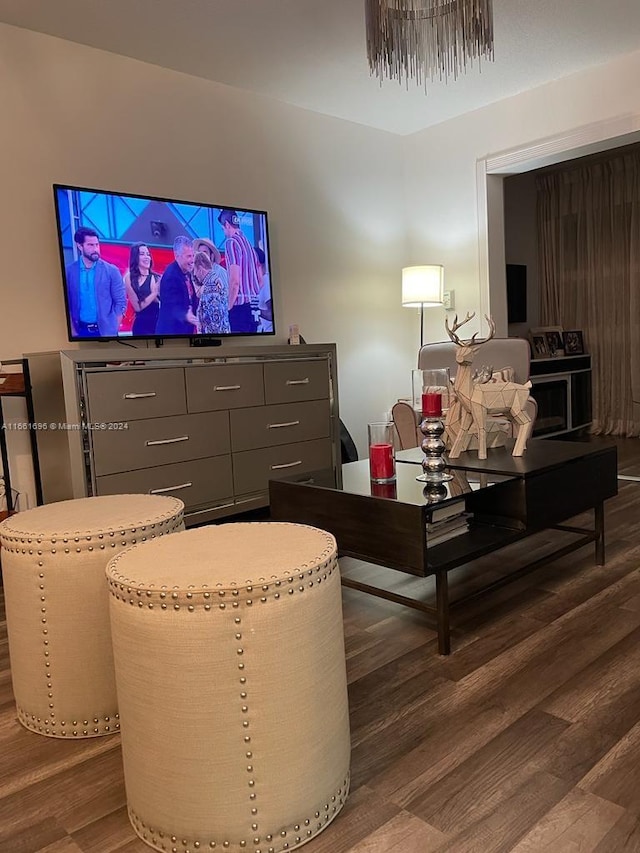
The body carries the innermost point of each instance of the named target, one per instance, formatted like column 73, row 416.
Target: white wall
column 333, row 189
column 441, row 188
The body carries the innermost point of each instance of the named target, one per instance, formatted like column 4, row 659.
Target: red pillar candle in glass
column 382, row 468
column 435, row 391
column 431, row 404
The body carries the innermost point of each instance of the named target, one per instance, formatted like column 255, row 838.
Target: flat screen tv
column 516, row 293
column 137, row 267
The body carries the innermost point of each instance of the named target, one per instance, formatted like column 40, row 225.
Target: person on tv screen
column 264, row 296
column 143, row 290
column 96, row 291
column 244, row 275
column 203, row 244
column 178, row 299
column 213, row 307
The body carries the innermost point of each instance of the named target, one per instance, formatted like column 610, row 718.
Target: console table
column 562, row 390
column 510, row 498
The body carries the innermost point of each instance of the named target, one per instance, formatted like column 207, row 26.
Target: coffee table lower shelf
column 509, row 498
column 468, row 544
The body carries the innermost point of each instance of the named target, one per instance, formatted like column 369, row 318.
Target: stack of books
column 446, row 522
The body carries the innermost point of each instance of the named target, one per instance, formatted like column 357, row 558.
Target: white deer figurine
column 479, row 399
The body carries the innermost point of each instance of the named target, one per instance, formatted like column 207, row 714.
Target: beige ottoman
column 229, row 655
column 57, row 604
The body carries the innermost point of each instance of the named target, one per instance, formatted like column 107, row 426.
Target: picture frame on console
column 574, row 342
column 539, row 346
column 554, row 340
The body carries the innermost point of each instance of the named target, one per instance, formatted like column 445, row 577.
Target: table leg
column 442, row 603
column 598, row 511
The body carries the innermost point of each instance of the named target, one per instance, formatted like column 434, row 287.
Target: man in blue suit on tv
column 96, row 291
column 178, row 299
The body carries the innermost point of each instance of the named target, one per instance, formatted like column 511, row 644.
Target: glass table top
column 406, row 489
column 542, row 454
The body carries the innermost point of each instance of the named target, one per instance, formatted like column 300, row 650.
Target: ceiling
column 311, row 53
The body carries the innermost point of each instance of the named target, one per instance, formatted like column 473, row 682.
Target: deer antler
column 472, row 341
column 492, row 328
column 456, row 326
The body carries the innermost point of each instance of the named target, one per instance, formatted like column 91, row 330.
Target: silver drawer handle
column 193, row 513
column 226, row 387
column 167, row 441
column 139, row 396
column 170, row 489
column 286, row 465
column 297, row 381
column 278, row 426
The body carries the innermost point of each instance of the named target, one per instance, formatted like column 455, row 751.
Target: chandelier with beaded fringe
column 427, row 39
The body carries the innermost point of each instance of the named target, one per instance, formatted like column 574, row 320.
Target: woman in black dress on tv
column 143, row 290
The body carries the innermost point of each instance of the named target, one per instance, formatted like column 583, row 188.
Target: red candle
column 431, row 405
column 381, row 462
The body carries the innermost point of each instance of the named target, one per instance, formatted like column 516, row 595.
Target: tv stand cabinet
column 211, row 429
column 562, row 390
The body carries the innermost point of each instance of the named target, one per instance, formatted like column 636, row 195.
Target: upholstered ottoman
column 229, row 655
column 57, row 603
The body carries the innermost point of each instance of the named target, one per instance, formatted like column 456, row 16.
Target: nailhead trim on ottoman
column 57, row 605
column 229, row 655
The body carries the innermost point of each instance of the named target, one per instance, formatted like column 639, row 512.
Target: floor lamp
column 422, row 287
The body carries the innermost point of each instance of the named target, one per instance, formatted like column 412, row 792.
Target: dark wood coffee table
column 509, row 499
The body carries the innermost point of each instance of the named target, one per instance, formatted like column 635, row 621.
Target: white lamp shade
column 422, row 286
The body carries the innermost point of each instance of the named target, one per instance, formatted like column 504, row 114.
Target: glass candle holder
column 382, row 464
column 429, row 382
column 435, row 395
column 435, row 392
column 416, row 389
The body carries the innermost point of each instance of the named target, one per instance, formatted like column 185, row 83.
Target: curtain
column 589, row 263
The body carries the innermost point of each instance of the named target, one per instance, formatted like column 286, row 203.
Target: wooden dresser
column 211, row 430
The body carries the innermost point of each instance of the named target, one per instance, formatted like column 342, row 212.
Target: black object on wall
column 516, row 293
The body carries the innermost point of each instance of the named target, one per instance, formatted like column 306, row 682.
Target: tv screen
column 138, row 267
column 516, row 293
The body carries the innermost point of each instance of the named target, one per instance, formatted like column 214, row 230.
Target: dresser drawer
column 290, row 381
column 253, row 469
column 224, row 386
column 135, row 394
column 198, row 482
column 148, row 443
column 267, row 426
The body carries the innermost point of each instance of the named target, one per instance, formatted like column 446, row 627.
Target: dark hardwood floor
column 527, row 738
